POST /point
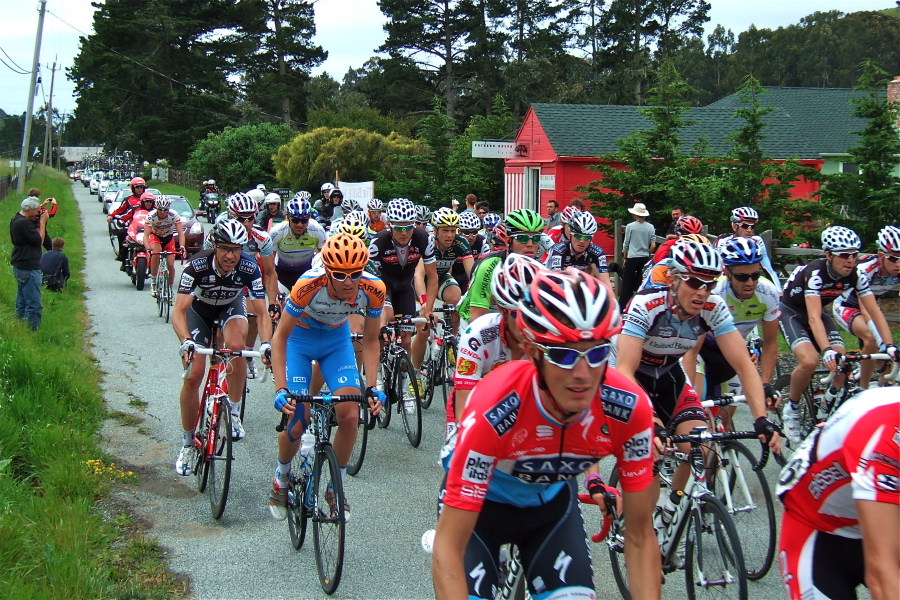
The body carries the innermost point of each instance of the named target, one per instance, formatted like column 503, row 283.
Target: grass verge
column 55, row 539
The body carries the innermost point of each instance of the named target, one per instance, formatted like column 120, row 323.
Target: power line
column 17, row 72
column 24, row 72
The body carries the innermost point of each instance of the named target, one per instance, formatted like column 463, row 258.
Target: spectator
column 26, row 230
column 552, row 219
column 51, row 210
column 677, row 213
column 482, row 209
column 640, row 241
column 55, row 266
column 471, row 201
column 577, row 203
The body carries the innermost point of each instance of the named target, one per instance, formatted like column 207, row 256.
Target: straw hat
column 639, row 209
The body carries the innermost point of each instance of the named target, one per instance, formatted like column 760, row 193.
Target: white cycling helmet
column 242, row 204
column 357, row 215
column 229, row 231
column 468, row 221
column 840, row 238
column 693, row 258
column 212, row 182
column 744, row 214
column 258, row 195
column 326, row 188
column 303, row 195
column 423, row 213
column 273, row 198
column 261, row 187
column 163, row 203
column 511, row 279
column 401, row 210
column 375, row 204
column 889, row 239
column 583, row 223
column 348, row 205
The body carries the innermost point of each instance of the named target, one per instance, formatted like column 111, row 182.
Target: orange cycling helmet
column 344, row 252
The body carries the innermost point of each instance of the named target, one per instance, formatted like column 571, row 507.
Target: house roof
column 807, row 123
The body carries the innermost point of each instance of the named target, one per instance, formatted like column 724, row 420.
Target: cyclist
column 318, row 307
column 751, row 299
column 883, row 271
column 271, row 213
column 744, row 220
column 423, row 218
column 522, row 229
column 210, row 288
column 527, row 431
column 377, row 218
column 491, row 221
column 331, row 208
column 125, row 212
column 469, row 224
column 395, row 253
column 578, row 251
column 560, row 233
column 450, row 248
column 296, row 241
column 842, row 506
column 686, row 225
column 159, row 235
column 663, row 324
column 655, row 274
column 805, row 323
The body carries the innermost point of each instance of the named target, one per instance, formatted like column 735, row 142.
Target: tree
column 239, row 157
column 150, row 77
column 868, row 200
column 437, row 131
column 276, row 68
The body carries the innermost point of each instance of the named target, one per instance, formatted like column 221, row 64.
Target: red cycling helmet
column 688, row 224
column 568, row 307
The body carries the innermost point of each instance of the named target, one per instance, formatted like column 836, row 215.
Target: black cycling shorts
column 673, row 397
column 401, row 295
column 794, row 325
column 201, row 316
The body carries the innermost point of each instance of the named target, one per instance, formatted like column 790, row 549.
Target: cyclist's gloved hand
column 771, row 395
column 275, row 311
column 893, row 351
column 188, row 345
column 765, row 427
column 386, row 334
column 281, row 399
column 831, row 355
column 375, row 394
column 266, row 350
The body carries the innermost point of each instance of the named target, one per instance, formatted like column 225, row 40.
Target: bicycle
column 813, row 408
column 713, row 558
column 315, row 491
column 395, row 371
column 365, row 423
column 440, row 364
column 212, row 434
column 165, row 294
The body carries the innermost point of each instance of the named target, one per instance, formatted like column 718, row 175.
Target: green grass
column 54, row 541
column 176, row 190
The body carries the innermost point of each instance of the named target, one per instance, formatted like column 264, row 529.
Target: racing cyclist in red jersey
column 529, row 428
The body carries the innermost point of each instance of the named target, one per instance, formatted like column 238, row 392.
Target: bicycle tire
column 448, row 368
column 201, row 461
column 807, row 421
column 167, row 299
column 159, row 295
column 220, row 462
column 430, row 368
column 140, row 272
column 297, row 513
column 412, row 421
column 387, row 387
column 244, row 401
column 358, row 455
column 329, row 525
column 718, row 565
column 616, row 547
column 753, row 516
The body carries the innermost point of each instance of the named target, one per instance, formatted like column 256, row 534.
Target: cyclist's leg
column 720, row 379
column 688, row 414
column 170, row 259
column 420, row 338
column 154, row 246
column 836, row 342
column 357, row 324
column 794, row 326
column 859, row 326
column 199, row 323
column 450, row 293
column 234, row 330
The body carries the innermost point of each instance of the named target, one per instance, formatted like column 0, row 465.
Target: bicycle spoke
column 714, row 562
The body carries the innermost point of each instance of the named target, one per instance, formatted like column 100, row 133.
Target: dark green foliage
column 239, row 157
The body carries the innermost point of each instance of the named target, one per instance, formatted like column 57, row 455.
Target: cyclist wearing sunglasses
column 377, row 218
column 211, row 287
column 469, row 226
column 522, row 231
column 296, row 241
column 664, row 324
column 744, row 221
column 560, row 233
column 578, row 251
column 752, row 299
column 805, row 322
column 317, row 330
column 883, row 272
column 528, row 430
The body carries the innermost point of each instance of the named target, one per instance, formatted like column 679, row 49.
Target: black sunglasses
column 892, row 258
column 296, row 221
column 745, row 277
column 469, row 231
column 244, row 219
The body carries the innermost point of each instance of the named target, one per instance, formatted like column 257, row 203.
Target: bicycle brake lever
column 284, row 420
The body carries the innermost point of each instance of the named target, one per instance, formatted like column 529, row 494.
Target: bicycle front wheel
column 167, row 299
column 431, row 369
column 448, row 368
column 159, row 294
column 385, row 376
column 328, row 519
column 297, row 512
column 200, row 458
column 411, row 406
column 615, row 543
column 714, row 563
column 746, row 496
column 220, row 461
column 362, row 437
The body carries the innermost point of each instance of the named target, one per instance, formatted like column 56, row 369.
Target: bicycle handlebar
column 217, row 352
column 324, row 399
column 609, row 498
column 723, row 401
column 703, row 436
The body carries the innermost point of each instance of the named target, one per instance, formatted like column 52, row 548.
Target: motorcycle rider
column 125, row 211
column 271, row 213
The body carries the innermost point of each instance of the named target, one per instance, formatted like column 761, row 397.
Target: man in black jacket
column 27, row 233
column 55, row 266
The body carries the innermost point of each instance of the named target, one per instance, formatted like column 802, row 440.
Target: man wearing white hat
column 640, row 241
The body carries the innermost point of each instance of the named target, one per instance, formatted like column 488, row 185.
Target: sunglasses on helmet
column 567, row 358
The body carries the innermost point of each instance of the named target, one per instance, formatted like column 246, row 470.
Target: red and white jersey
column 165, row 225
column 856, row 456
column 511, row 450
column 556, row 234
column 482, row 348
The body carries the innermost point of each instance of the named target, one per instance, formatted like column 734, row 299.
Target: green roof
column 807, row 123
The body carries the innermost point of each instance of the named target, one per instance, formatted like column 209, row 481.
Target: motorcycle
column 209, row 202
column 137, row 264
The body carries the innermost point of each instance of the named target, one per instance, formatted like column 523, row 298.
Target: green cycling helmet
column 524, row 220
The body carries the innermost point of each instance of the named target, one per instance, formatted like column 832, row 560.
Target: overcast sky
column 349, row 30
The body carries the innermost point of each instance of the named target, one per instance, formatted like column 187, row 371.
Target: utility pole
column 48, row 129
column 62, row 128
column 26, row 136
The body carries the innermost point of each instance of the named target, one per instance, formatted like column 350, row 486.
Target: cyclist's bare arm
column 880, row 523
column 279, row 357
column 817, row 327
column 876, row 316
column 628, row 355
column 467, row 264
column 459, row 403
column 448, row 573
column 179, row 229
column 179, row 316
column 270, row 282
column 370, row 349
column 604, row 277
column 642, row 556
column 419, row 280
column 431, row 289
column 769, row 350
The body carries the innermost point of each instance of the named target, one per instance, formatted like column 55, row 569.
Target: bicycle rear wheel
column 167, row 299
column 385, row 376
column 328, row 519
column 362, row 436
column 297, row 512
column 411, row 406
column 220, row 462
column 746, row 496
column 714, row 563
column 159, row 295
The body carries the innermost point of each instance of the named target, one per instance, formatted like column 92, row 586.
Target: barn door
column 532, row 182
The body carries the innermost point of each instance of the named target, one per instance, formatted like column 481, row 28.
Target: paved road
column 246, row 554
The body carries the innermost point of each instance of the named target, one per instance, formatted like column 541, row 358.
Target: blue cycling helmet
column 740, row 251
column 298, row 209
column 491, row 220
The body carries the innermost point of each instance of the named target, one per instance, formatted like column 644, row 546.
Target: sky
column 349, row 30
